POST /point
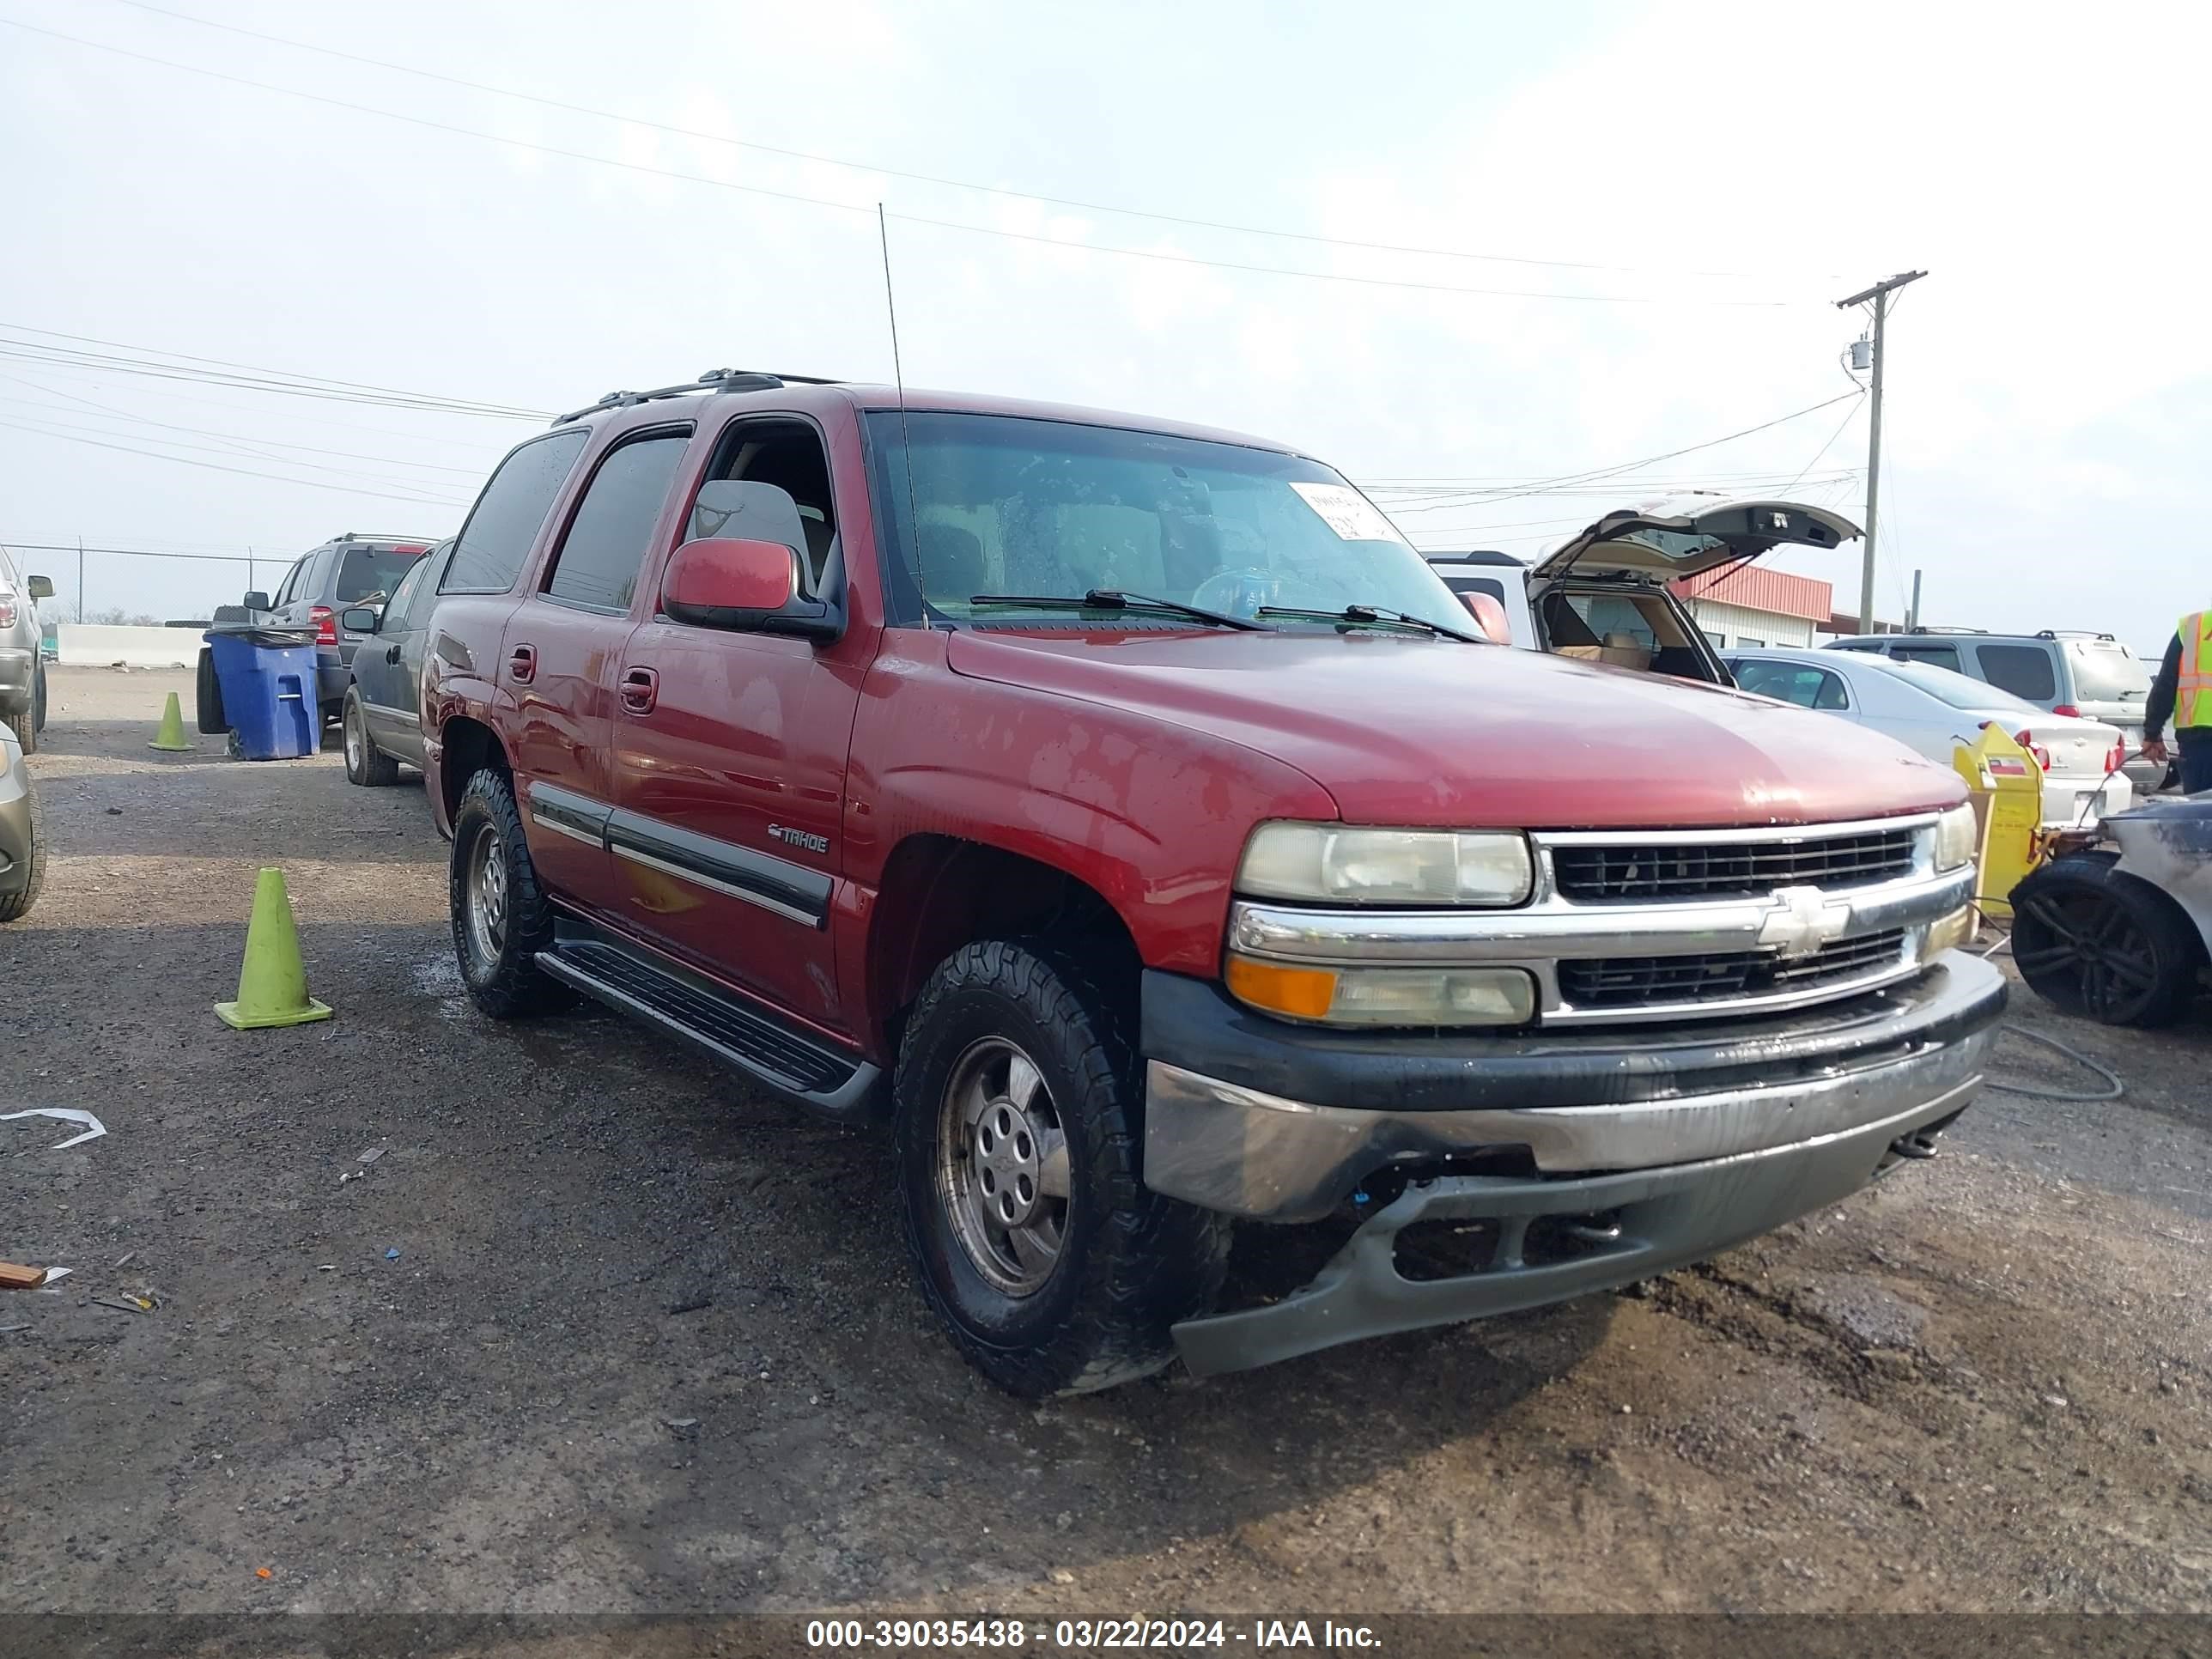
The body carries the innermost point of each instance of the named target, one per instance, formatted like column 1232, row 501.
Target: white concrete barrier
column 96, row 645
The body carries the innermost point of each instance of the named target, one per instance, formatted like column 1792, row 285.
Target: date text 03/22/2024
column 1257, row 1635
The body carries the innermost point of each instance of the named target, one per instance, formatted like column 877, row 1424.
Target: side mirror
column 361, row 619
column 1489, row 616
column 256, row 601
column 41, row 587
column 728, row 581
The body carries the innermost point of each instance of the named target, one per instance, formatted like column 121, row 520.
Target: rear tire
column 1019, row 1105
column 208, row 698
column 365, row 763
column 16, row 905
column 2096, row 942
column 501, row 918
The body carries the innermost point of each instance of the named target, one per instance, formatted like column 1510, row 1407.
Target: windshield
column 1959, row 691
column 1050, row 509
column 2106, row 673
column 371, row 572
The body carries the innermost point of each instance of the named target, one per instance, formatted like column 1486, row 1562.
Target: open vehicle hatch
column 1682, row 534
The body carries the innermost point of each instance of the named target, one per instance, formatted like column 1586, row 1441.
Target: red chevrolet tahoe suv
column 1129, row 816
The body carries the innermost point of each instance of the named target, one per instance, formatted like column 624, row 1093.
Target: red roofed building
column 1750, row 605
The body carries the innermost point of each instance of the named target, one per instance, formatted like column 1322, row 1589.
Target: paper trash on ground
column 93, row 1129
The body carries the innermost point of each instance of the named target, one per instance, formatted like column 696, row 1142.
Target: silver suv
column 345, row 572
column 2089, row 676
column 22, row 675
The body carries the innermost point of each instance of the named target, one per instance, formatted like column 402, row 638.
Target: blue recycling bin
column 267, row 678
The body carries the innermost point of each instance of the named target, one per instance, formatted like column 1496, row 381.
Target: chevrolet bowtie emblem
column 1803, row 921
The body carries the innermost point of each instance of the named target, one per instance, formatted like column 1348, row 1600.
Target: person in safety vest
column 2182, row 689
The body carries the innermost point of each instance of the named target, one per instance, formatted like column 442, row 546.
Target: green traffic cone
column 172, row 736
column 272, row 984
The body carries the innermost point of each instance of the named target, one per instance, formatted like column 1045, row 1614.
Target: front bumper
column 16, row 821
column 1686, row 1144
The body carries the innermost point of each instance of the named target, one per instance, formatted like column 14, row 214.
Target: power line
column 242, row 471
column 847, row 207
column 245, row 376
column 62, row 428
column 1823, row 448
column 256, row 368
column 1610, row 489
column 1007, row 192
column 444, row 443
column 252, row 446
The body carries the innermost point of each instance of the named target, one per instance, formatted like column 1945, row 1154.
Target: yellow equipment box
column 2007, row 795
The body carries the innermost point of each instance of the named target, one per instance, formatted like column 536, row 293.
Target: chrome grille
column 1597, row 873
column 1721, row 976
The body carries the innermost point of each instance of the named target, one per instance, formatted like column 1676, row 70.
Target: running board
column 777, row 1056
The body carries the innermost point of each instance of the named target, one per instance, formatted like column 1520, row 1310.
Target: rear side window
column 371, row 574
column 509, row 514
column 425, row 593
column 1943, row 656
column 599, row 560
column 2023, row 670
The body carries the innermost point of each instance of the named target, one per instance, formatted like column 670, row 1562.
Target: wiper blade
column 1109, row 598
column 1372, row 615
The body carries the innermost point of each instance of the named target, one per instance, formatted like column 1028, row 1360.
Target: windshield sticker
column 1348, row 513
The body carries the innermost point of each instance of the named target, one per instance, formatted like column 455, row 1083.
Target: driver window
column 786, row 455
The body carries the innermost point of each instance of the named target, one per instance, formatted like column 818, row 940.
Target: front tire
column 1018, row 1100
column 2103, row 944
column 39, row 699
column 365, row 763
column 23, row 722
column 502, row 918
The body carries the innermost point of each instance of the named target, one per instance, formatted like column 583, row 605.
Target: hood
column 1420, row 732
column 1681, row 535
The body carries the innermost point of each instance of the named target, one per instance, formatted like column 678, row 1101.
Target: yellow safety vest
column 2192, row 691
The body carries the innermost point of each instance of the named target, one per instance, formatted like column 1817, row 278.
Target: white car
column 1933, row 710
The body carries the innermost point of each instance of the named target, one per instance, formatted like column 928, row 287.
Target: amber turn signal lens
column 1300, row 992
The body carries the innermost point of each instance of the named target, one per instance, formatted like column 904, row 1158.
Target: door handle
column 392, row 653
column 641, row 689
column 522, row 664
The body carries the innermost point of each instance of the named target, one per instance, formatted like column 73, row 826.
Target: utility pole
column 1879, row 294
column 79, row 579
column 1912, row 616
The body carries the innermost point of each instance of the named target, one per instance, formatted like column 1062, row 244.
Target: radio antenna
column 906, row 442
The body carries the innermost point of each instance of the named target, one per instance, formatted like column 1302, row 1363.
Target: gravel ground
column 596, row 1331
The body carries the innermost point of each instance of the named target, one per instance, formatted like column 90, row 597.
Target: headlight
column 1386, row 996
column 1332, row 865
column 1956, row 838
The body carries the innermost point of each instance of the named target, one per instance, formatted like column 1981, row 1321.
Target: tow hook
column 1921, row 1142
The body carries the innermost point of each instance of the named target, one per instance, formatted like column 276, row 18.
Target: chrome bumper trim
column 1246, row 1152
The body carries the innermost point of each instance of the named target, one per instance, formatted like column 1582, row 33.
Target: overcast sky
column 1720, row 174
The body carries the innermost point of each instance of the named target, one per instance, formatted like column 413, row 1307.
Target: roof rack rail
column 714, row 379
column 2070, row 634
column 1917, row 630
column 370, row 536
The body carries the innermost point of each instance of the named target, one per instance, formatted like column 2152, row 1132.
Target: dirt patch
column 599, row 1332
